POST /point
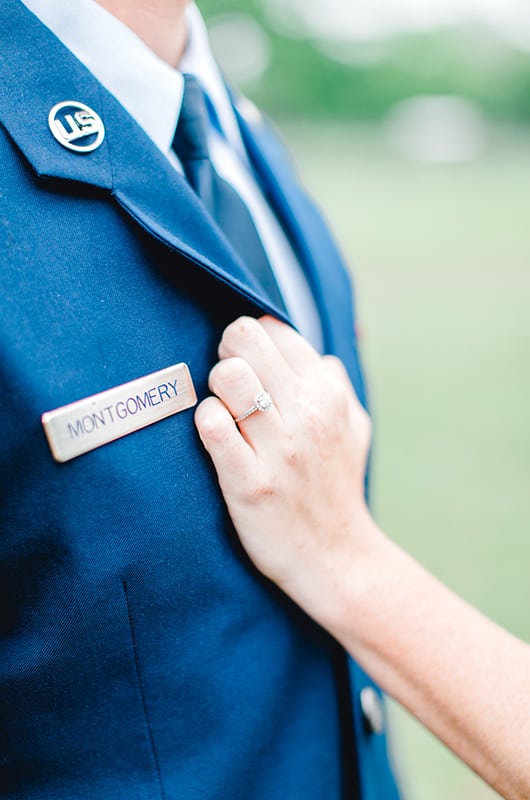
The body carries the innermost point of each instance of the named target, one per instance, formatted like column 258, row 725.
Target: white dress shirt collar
column 148, row 88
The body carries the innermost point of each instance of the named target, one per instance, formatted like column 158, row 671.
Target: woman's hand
column 293, row 481
column 293, row 476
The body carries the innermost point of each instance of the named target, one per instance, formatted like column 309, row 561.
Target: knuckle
column 337, row 378
column 336, row 367
column 228, row 373
column 333, row 362
column 211, row 429
column 237, row 332
column 210, row 420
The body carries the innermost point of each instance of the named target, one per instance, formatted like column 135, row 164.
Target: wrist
column 359, row 576
column 335, row 584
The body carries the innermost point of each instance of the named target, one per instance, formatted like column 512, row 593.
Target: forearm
column 466, row 679
column 293, row 483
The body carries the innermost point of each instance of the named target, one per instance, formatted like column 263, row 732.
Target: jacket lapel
column 37, row 73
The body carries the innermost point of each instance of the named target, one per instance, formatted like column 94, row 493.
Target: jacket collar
column 37, row 73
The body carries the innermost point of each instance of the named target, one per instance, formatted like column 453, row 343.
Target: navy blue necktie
column 222, row 202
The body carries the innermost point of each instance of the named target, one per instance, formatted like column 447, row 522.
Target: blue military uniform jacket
column 142, row 656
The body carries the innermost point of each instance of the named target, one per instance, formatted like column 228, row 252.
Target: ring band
column 262, row 403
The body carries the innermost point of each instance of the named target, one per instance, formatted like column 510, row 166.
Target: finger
column 247, row 339
column 237, row 386
column 230, row 453
column 297, row 352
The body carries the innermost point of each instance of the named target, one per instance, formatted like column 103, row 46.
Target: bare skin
column 292, row 478
column 159, row 23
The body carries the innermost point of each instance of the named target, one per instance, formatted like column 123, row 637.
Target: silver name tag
column 97, row 420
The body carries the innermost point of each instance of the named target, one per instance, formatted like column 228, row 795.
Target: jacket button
column 373, row 711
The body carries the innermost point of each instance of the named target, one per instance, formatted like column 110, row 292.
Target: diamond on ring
column 262, row 403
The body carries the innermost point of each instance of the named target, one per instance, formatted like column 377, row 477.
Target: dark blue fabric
column 222, row 202
column 142, row 657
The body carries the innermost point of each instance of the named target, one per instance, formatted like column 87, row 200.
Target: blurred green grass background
column 440, row 255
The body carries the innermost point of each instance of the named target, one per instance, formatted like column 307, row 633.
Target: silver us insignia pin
column 76, row 126
column 97, row 420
